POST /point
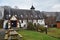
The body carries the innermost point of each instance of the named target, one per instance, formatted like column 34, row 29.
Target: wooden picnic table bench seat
column 6, row 37
column 20, row 35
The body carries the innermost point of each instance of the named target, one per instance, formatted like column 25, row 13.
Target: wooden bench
column 13, row 35
column 20, row 35
column 6, row 37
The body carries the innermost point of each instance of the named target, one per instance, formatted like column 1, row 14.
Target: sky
column 41, row 5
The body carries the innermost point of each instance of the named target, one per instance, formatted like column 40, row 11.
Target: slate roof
column 50, row 13
column 1, row 12
column 58, row 17
column 22, row 14
column 55, row 14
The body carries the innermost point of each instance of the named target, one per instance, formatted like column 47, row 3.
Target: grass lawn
column 33, row 35
column 55, row 32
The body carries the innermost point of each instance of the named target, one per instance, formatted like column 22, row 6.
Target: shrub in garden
column 40, row 28
column 30, row 26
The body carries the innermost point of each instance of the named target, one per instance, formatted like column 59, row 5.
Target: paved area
column 2, row 34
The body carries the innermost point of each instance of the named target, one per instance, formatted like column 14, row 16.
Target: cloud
column 43, row 5
column 56, row 7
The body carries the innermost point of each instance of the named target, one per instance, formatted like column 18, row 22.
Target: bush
column 40, row 28
column 30, row 26
column 37, row 27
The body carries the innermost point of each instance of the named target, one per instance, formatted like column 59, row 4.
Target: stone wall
column 1, row 23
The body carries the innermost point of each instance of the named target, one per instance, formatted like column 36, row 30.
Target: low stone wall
column 1, row 23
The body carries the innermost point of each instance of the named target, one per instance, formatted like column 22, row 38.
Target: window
column 9, row 15
column 22, row 21
column 15, row 15
column 35, row 15
column 22, row 16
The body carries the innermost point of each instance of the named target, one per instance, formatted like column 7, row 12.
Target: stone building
column 20, row 17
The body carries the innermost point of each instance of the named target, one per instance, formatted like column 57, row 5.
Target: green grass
column 55, row 32
column 33, row 35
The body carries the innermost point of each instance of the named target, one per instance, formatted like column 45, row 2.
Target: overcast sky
column 42, row 5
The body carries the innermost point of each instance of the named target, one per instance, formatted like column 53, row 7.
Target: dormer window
column 15, row 15
column 35, row 15
column 9, row 15
column 31, row 16
column 26, row 15
column 22, row 16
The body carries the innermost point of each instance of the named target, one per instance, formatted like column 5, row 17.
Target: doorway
column 14, row 23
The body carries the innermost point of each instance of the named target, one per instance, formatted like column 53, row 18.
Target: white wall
column 4, row 24
column 29, row 20
column 41, row 22
column 24, row 23
column 18, row 25
column 35, row 21
column 9, row 25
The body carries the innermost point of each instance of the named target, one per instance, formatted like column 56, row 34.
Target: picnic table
column 13, row 35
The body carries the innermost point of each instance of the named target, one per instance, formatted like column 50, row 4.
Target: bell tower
column 32, row 7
